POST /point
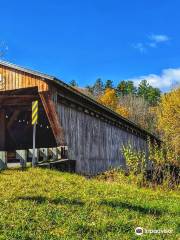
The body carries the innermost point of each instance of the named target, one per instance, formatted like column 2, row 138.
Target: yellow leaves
column 122, row 111
column 153, row 110
column 109, row 99
column 169, row 118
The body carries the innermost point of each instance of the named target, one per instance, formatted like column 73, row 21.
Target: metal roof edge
column 24, row 69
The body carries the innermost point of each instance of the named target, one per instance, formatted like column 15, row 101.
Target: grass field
column 46, row 204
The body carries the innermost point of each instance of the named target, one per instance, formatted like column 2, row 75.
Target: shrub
column 165, row 164
column 135, row 160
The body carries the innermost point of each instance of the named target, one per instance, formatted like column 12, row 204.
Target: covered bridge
column 70, row 122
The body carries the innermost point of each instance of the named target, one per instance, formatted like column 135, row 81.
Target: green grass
column 46, row 204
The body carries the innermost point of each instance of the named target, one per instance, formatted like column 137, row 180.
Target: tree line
column 144, row 104
column 137, row 103
column 149, row 93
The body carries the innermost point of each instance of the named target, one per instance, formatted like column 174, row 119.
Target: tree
column 97, row 89
column 73, row 83
column 123, row 111
column 109, row 99
column 126, row 87
column 108, row 84
column 139, row 111
column 151, row 94
column 169, row 119
column 89, row 89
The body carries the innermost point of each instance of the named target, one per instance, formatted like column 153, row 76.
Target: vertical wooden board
column 15, row 79
column 95, row 144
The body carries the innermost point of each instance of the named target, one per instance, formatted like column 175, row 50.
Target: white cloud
column 159, row 38
column 140, row 46
column 165, row 80
column 152, row 42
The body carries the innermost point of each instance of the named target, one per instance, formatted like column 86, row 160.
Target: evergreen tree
column 108, row 84
column 126, row 87
column 98, row 88
column 73, row 83
column 151, row 94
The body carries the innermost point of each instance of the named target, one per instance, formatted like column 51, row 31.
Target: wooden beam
column 20, row 91
column 16, row 99
column 53, row 118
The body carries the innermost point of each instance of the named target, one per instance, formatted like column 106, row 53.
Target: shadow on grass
column 129, row 206
column 62, row 200
column 77, row 202
column 94, row 230
column 56, row 201
column 36, row 199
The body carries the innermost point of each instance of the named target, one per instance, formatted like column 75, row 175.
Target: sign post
column 34, row 123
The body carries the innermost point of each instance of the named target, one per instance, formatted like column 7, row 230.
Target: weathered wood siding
column 93, row 143
column 11, row 79
column 94, row 135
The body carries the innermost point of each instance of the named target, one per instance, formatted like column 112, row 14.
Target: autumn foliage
column 123, row 111
column 109, row 99
column 169, row 118
column 144, row 105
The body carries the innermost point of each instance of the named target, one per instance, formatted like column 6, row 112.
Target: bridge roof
column 80, row 95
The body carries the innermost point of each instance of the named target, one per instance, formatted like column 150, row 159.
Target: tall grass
column 160, row 165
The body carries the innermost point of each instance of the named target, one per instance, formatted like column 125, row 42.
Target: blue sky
column 85, row 40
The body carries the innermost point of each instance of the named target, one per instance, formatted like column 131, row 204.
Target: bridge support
column 22, row 156
column 3, row 160
column 36, row 154
column 43, row 154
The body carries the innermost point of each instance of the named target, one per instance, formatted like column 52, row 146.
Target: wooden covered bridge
column 70, row 125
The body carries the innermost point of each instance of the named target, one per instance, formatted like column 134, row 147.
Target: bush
column 164, row 165
column 135, row 160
